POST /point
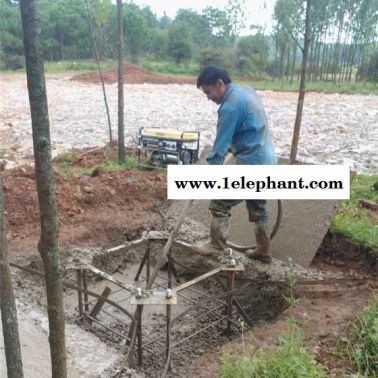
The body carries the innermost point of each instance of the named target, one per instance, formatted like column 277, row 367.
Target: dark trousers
column 256, row 209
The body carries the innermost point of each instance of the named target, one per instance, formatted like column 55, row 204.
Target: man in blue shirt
column 242, row 129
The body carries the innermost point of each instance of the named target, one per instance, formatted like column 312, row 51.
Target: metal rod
column 114, row 317
column 141, row 265
column 230, row 285
column 79, row 293
column 199, row 331
column 106, row 327
column 174, row 271
column 85, row 287
column 169, row 310
column 148, row 263
column 211, row 310
column 238, row 306
column 110, row 278
column 197, row 304
column 169, row 269
column 198, row 279
column 140, row 350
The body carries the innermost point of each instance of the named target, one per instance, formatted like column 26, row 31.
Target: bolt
column 230, row 253
column 168, row 294
column 139, row 293
column 232, row 263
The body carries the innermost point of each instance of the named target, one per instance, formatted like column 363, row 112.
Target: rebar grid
column 198, row 305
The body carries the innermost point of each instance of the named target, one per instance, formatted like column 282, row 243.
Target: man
column 243, row 130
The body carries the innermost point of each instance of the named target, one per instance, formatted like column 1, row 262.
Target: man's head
column 213, row 81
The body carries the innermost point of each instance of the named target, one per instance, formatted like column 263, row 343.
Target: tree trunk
column 48, row 243
column 293, row 62
column 322, row 65
column 328, row 63
column 282, row 64
column 302, row 86
column 7, row 302
column 287, row 70
column 310, row 60
column 317, row 61
column 337, row 50
column 61, row 45
column 121, row 127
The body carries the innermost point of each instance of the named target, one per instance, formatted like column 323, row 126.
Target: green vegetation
column 318, row 86
column 343, row 48
column 288, row 359
column 166, row 67
column 79, row 65
column 291, row 280
column 66, row 165
column 363, row 341
column 354, row 221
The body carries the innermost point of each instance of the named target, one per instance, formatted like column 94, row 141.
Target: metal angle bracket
column 237, row 268
column 156, row 297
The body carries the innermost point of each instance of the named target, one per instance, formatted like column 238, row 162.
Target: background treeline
column 344, row 42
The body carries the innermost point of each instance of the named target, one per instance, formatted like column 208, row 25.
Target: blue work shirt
column 243, row 128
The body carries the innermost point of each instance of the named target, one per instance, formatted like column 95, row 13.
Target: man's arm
column 227, row 121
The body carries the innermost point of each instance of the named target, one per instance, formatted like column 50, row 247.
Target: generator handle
column 198, row 140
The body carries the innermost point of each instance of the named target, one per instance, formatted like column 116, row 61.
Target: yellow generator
column 164, row 146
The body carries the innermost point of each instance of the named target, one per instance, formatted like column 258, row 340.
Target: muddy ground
column 108, row 208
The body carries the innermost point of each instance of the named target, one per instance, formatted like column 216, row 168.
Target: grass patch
column 363, row 341
column 289, row 359
column 66, row 165
column 170, row 68
column 355, row 222
column 321, row 86
column 79, row 65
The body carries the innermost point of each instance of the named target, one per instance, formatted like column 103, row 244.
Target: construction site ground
column 106, row 209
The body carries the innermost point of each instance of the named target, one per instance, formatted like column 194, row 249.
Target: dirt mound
column 133, row 74
column 104, row 209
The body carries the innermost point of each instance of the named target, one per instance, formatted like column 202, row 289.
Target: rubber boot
column 262, row 252
column 219, row 226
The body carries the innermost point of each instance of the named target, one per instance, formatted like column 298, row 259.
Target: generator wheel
column 186, row 157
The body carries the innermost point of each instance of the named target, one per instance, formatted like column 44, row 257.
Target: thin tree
column 121, row 128
column 48, row 244
column 236, row 14
column 97, row 58
column 7, row 301
column 302, row 85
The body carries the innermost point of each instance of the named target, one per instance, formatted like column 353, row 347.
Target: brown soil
column 133, row 74
column 338, row 253
column 102, row 210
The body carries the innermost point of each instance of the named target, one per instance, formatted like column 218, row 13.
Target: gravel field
column 336, row 128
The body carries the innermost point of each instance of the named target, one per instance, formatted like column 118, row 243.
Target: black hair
column 210, row 75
